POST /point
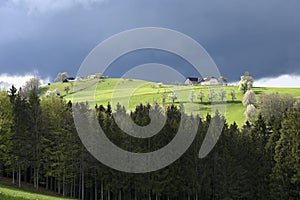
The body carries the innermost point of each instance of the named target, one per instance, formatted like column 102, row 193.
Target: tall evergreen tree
column 286, row 172
column 6, row 133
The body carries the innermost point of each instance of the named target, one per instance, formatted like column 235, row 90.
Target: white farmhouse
column 192, row 81
column 203, row 81
column 210, row 81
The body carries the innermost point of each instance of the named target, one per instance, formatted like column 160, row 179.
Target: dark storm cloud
column 261, row 36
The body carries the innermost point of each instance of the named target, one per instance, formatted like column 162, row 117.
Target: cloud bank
column 57, row 35
column 7, row 80
column 45, row 6
column 285, row 81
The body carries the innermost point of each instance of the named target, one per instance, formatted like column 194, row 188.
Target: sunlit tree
column 201, row 95
column 246, row 82
column 232, row 94
column 173, row 96
column 192, row 96
column 250, row 113
column 31, row 85
column 61, row 76
column 249, row 98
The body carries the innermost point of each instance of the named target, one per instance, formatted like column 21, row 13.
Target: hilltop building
column 204, row 81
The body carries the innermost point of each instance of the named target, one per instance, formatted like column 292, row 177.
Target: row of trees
column 245, row 84
column 249, row 99
column 269, row 104
column 212, row 95
column 40, row 145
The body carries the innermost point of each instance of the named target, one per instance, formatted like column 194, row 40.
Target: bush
column 275, row 104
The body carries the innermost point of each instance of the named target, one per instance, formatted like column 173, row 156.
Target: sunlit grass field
column 130, row 93
column 10, row 193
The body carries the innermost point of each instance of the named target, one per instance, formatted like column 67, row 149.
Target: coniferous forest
column 39, row 144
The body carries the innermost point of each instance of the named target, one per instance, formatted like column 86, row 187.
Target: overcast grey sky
column 49, row 36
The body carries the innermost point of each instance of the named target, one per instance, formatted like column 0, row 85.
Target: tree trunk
column 58, row 183
column 26, row 175
column 96, row 189
column 47, row 182
column 51, row 183
column 91, row 193
column 108, row 195
column 102, row 194
column 74, row 189
column 79, row 185
column 55, row 185
column 71, row 188
column 34, row 177
column 30, row 176
column 37, row 179
column 19, row 174
column 82, row 184
column 64, row 188
column 13, row 178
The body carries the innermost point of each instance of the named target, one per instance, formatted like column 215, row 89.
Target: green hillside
column 139, row 91
column 11, row 193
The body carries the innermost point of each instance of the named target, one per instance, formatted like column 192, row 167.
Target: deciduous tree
column 249, row 98
column 222, row 94
column 173, row 96
column 201, row 95
column 250, row 112
column 61, row 76
column 275, row 104
column 192, row 96
column 246, row 82
column 31, row 85
column 232, row 94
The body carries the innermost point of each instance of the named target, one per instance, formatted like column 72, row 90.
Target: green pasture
column 11, row 193
column 130, row 93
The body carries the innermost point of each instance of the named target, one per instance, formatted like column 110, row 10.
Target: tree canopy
column 40, row 145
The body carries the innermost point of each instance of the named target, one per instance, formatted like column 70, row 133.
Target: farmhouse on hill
column 210, row 81
column 68, row 79
column 191, row 81
column 203, row 81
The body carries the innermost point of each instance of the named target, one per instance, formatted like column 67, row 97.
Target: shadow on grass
column 207, row 103
column 258, row 92
column 43, row 90
column 215, row 102
column 81, row 89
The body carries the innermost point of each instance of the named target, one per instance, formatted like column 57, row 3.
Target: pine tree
column 286, row 172
column 35, row 120
column 21, row 137
column 260, row 136
column 6, row 122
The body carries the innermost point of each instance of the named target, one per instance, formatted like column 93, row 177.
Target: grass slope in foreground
column 149, row 92
column 11, row 193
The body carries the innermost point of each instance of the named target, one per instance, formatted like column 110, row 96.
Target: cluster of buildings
column 78, row 78
column 205, row 81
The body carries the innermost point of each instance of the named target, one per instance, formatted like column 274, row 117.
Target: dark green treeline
column 39, row 145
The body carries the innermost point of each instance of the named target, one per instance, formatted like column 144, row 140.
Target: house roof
column 209, row 78
column 194, row 79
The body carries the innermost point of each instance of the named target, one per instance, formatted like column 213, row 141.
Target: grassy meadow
column 130, row 93
column 11, row 193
